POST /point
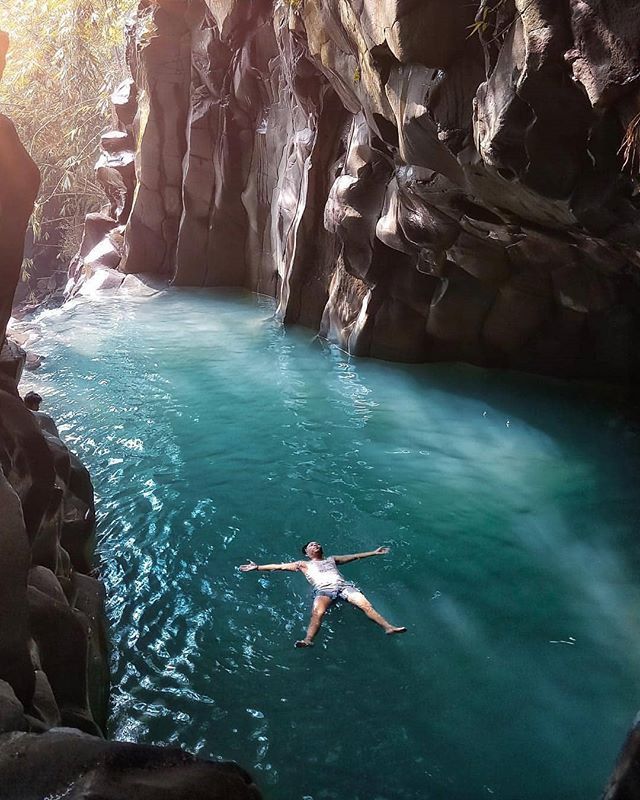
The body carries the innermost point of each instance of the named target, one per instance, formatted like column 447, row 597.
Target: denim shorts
column 340, row 592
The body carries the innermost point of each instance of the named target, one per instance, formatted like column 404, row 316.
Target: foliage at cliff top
column 64, row 59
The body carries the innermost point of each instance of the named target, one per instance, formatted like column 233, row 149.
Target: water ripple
column 214, row 436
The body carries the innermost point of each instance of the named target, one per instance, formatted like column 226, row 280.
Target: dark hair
column 304, row 547
column 32, row 399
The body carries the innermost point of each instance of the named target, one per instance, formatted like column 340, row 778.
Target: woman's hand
column 379, row 551
column 249, row 567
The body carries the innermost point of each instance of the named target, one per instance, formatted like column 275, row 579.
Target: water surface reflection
column 509, row 503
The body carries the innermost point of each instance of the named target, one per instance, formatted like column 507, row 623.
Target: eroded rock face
column 19, row 183
column 473, row 203
column 410, row 190
column 53, row 644
column 69, row 764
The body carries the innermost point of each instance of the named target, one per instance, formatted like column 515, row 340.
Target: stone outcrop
column 64, row 763
column 19, row 183
column 420, row 181
column 53, row 643
column 103, row 236
column 54, row 672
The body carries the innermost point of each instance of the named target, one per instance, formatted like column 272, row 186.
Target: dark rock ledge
column 54, row 672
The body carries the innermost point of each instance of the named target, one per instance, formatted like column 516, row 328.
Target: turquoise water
column 509, row 504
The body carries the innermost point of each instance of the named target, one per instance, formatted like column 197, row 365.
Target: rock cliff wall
column 19, row 183
column 411, row 190
column 53, row 667
column 53, row 647
column 419, row 181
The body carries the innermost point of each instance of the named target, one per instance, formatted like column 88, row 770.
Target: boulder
column 15, row 663
column 11, row 710
column 81, row 767
column 624, row 783
column 18, row 190
column 604, row 53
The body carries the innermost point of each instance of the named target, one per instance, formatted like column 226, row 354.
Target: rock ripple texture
column 418, row 181
column 53, row 645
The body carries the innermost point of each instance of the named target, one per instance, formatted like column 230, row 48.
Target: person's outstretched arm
column 292, row 566
column 379, row 551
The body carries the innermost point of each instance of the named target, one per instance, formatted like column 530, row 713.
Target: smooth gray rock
column 65, row 762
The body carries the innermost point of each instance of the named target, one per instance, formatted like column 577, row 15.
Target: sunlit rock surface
column 19, row 182
column 417, row 181
column 102, row 242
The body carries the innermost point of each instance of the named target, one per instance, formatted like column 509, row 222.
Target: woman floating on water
column 328, row 586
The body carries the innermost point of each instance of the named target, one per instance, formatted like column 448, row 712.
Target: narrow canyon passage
column 509, row 503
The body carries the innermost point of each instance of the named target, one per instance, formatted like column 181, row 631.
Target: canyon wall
column 417, row 180
column 19, row 182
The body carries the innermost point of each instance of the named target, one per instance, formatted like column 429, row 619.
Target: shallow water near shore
column 509, row 503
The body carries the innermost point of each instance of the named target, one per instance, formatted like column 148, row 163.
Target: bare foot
column 303, row 643
column 389, row 631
